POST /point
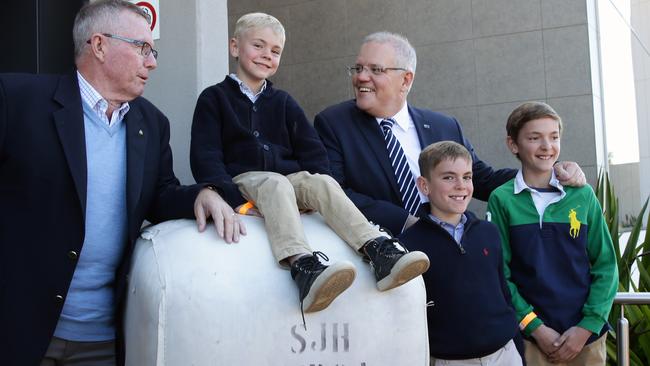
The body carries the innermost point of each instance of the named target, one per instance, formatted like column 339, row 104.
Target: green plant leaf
column 638, row 315
column 645, row 260
column 644, row 277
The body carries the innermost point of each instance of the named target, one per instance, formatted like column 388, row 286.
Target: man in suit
column 84, row 160
column 356, row 135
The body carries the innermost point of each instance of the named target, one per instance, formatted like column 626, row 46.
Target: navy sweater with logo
column 471, row 315
column 561, row 266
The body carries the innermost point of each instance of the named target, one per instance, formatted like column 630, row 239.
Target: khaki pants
column 504, row 356
column 593, row 354
column 279, row 198
column 62, row 352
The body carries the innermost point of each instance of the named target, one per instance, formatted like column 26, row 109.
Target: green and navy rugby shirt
column 560, row 268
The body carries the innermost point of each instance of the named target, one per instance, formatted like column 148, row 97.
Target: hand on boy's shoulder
column 570, row 174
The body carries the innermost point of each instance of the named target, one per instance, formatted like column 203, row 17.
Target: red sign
column 146, row 6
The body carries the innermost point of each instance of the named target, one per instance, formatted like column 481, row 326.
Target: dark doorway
column 36, row 35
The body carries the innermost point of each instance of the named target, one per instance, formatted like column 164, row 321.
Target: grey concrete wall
column 193, row 55
column 641, row 57
column 477, row 60
column 625, row 179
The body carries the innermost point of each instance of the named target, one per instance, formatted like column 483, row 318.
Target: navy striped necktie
column 403, row 175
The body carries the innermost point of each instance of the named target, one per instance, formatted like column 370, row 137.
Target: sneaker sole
column 408, row 267
column 328, row 285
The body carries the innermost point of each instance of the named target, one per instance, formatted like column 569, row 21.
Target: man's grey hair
column 404, row 52
column 100, row 17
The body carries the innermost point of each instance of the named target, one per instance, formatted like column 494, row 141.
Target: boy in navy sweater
column 469, row 318
column 255, row 142
column 559, row 259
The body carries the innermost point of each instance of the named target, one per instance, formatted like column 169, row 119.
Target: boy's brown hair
column 435, row 153
column 528, row 112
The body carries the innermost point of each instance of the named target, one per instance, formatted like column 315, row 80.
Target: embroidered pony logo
column 574, row 231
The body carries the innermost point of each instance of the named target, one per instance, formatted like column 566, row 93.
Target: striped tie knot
column 387, row 125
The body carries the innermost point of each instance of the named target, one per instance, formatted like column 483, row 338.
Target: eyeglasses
column 145, row 48
column 373, row 69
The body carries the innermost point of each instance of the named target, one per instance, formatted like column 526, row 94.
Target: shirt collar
column 462, row 222
column 91, row 96
column 402, row 118
column 246, row 90
column 520, row 184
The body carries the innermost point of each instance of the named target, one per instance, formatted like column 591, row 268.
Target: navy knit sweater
column 231, row 135
column 470, row 316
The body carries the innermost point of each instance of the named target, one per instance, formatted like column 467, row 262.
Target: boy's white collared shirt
column 246, row 90
column 541, row 199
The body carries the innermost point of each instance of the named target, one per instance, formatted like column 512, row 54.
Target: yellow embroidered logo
column 575, row 223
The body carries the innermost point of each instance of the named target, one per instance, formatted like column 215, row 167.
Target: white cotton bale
column 195, row 300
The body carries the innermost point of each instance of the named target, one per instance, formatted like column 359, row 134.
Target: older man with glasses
column 84, row 160
column 373, row 142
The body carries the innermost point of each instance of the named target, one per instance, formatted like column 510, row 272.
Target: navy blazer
column 43, row 202
column 359, row 159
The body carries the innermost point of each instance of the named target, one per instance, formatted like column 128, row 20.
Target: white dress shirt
column 405, row 132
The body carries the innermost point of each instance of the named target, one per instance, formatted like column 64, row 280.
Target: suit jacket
column 43, row 202
column 359, row 159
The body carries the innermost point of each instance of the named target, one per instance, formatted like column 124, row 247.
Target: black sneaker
column 394, row 265
column 318, row 284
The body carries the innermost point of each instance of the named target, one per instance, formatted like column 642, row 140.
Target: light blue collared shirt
column 456, row 231
column 246, row 90
column 98, row 104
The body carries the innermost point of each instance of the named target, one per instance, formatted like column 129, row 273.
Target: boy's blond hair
column 438, row 152
column 256, row 21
